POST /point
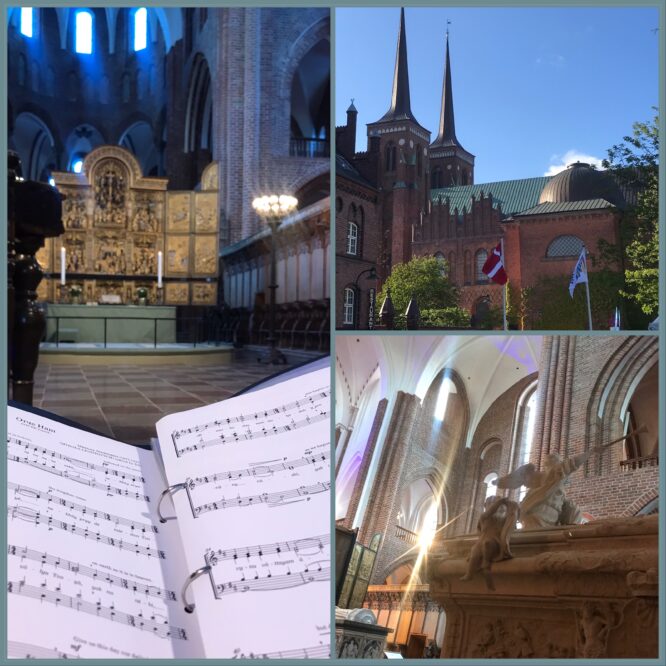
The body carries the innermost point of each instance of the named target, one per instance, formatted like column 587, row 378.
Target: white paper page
column 256, row 509
column 87, row 557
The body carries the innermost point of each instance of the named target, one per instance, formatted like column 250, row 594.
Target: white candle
column 159, row 269
column 63, row 256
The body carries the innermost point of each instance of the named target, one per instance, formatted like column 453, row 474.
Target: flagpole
column 587, row 289
column 503, row 286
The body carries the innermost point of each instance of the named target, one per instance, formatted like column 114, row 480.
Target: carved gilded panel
column 144, row 254
column 205, row 255
column 44, row 255
column 177, row 293
column 147, row 211
column 205, row 212
column 109, row 252
column 178, row 212
column 76, row 257
column 209, row 177
column 109, row 288
column 177, row 255
column 110, row 188
column 89, row 291
column 75, row 209
column 204, row 293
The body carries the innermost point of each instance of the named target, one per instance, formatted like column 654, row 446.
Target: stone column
column 387, row 481
column 556, row 375
column 365, row 463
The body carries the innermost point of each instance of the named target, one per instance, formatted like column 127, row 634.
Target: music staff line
column 74, row 461
column 315, row 543
column 29, row 515
column 221, row 439
column 270, row 583
column 26, row 491
column 19, row 650
column 89, row 572
column 43, row 594
column 274, row 499
column 86, row 481
column 258, row 470
column 242, row 418
column 322, row 651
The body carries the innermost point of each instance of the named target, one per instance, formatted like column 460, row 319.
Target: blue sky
column 533, row 88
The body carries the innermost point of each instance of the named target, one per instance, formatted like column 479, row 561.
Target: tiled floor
column 125, row 401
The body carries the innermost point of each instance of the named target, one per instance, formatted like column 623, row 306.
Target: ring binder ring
column 189, row 608
column 169, row 490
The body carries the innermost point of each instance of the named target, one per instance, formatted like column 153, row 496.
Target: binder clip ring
column 189, row 608
column 169, row 490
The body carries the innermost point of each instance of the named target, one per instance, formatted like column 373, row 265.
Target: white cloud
column 560, row 162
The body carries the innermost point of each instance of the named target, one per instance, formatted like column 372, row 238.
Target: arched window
column 83, row 32
column 77, row 163
column 436, row 178
column 348, row 307
column 490, row 488
column 526, row 419
column 338, row 205
column 464, row 177
column 447, row 387
column 565, row 246
column 419, row 160
column 442, row 263
column 140, row 29
column 480, row 259
column 389, row 157
column 452, row 265
column 352, row 238
column 27, row 21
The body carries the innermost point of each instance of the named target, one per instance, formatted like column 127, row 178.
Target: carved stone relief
column 110, row 191
column 74, row 210
column 596, row 621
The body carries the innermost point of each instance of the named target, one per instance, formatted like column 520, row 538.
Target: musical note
column 281, row 582
column 274, row 499
column 29, row 515
column 150, row 624
column 53, row 500
column 45, row 559
column 318, row 651
column 19, row 650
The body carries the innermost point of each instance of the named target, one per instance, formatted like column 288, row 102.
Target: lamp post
column 372, row 277
column 273, row 209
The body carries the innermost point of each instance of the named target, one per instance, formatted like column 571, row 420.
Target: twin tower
column 402, row 162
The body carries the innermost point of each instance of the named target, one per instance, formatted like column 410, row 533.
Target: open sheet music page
column 255, row 509
column 88, row 561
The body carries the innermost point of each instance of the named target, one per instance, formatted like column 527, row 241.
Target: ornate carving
column 177, row 293
column 349, row 649
column 204, row 293
column 144, row 255
column 205, row 212
column 209, row 177
column 595, row 622
column 104, row 288
column 75, row 247
column 110, row 190
column 74, row 210
column 147, row 212
column 109, row 255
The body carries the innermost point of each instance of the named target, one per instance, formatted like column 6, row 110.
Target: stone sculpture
column 545, row 504
column 496, row 525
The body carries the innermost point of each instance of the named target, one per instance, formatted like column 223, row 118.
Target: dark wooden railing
column 639, row 463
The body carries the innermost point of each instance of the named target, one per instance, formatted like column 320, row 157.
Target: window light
column 140, row 29
column 26, row 21
column 83, row 33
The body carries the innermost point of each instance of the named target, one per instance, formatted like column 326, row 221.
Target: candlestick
column 159, row 269
column 63, row 258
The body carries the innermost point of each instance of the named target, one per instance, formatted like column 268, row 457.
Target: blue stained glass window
column 26, row 21
column 140, row 29
column 84, row 37
column 77, row 165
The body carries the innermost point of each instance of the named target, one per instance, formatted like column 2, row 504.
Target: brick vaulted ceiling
column 489, row 365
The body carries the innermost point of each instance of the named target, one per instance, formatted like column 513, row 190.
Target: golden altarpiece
column 117, row 221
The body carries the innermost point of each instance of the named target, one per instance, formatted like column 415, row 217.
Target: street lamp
column 273, row 209
column 372, row 277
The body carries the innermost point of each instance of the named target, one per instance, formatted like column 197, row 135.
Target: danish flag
column 494, row 266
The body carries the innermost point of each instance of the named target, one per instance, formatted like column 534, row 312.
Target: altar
column 110, row 323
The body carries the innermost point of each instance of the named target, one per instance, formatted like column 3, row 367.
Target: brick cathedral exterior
column 408, row 195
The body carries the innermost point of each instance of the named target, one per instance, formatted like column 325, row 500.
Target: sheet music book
column 214, row 544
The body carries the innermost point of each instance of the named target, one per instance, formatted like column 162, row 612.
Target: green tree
column 421, row 277
column 635, row 163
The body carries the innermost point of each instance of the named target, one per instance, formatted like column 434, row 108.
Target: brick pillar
column 386, row 484
column 365, row 463
column 556, row 375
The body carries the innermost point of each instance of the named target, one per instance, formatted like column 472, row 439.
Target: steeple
column 400, row 103
column 447, row 124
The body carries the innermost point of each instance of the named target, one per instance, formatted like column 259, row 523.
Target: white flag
column 580, row 272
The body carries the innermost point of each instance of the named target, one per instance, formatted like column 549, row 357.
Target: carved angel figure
column 496, row 525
